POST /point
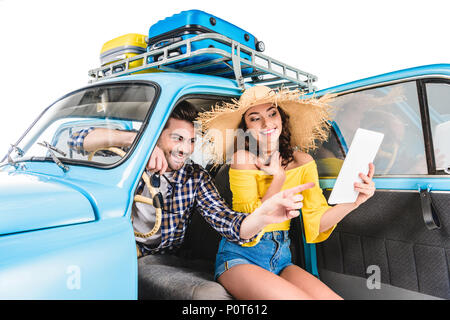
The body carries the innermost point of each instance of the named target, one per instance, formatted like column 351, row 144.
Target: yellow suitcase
column 123, row 47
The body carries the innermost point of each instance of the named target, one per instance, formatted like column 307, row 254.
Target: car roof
column 176, row 80
column 421, row 71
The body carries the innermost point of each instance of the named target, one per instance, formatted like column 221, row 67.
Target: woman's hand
column 274, row 168
column 367, row 188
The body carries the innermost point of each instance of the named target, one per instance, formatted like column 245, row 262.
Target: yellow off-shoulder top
column 249, row 186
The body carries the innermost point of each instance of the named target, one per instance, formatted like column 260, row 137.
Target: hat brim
column 309, row 121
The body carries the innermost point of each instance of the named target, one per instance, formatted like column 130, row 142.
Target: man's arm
column 92, row 139
column 282, row 206
column 103, row 138
column 240, row 227
column 215, row 211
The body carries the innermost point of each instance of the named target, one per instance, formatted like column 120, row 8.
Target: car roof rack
column 261, row 69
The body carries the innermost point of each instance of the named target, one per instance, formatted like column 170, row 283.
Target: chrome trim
column 383, row 84
column 420, row 176
column 415, row 191
column 405, row 176
column 405, row 190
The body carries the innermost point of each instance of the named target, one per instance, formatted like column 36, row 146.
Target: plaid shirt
column 192, row 189
column 76, row 140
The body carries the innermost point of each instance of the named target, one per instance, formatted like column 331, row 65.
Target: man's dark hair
column 184, row 111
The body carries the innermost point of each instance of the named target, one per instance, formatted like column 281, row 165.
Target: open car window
column 115, row 106
column 393, row 110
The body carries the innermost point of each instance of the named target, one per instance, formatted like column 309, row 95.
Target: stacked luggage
column 179, row 27
column 124, row 47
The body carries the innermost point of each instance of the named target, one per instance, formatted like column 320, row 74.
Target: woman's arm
column 335, row 214
column 276, row 170
column 275, row 186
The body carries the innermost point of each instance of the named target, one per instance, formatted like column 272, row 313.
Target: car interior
column 387, row 233
column 189, row 272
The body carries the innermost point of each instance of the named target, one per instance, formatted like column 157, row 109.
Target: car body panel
column 94, row 260
column 30, row 203
column 44, row 262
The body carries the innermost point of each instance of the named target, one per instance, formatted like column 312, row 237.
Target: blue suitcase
column 188, row 24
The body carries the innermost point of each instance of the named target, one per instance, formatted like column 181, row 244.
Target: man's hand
column 157, row 162
column 284, row 205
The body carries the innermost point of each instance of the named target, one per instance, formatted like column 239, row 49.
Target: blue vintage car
column 65, row 229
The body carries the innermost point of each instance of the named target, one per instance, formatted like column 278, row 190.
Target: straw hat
column 308, row 119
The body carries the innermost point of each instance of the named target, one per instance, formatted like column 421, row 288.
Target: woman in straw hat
column 265, row 135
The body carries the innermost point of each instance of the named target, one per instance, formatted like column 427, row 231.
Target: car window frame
column 420, row 82
column 426, row 122
column 97, row 165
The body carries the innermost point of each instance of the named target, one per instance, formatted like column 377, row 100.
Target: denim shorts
column 272, row 253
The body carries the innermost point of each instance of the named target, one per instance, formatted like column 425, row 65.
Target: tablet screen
column 362, row 151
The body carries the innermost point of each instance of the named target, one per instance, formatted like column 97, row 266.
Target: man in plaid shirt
column 186, row 186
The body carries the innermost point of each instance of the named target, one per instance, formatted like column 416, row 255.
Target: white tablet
column 362, row 151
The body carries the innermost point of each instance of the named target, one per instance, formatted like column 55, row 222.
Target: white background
column 47, row 47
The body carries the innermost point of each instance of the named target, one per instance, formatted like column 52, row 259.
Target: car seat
column 189, row 274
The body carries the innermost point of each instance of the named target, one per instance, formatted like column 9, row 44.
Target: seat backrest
column 201, row 240
column 222, row 182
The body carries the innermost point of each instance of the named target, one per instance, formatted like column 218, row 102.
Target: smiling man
column 185, row 187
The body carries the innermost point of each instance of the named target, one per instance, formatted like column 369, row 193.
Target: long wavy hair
column 286, row 149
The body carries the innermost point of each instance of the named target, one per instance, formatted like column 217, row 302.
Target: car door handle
column 429, row 211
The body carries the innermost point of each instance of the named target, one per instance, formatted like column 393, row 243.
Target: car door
column 396, row 245
column 66, row 233
column 70, row 259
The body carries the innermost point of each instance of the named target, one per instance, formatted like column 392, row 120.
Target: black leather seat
column 189, row 273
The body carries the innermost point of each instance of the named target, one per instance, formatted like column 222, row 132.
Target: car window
column 438, row 95
column 118, row 107
column 330, row 155
column 392, row 110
